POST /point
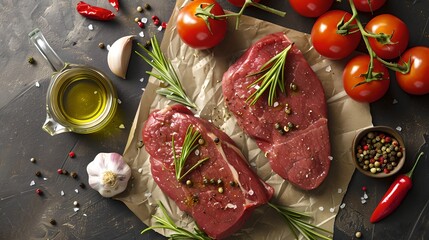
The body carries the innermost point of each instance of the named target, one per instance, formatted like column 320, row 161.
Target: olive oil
column 82, row 100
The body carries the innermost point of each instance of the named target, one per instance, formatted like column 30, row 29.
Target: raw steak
column 301, row 153
column 223, row 191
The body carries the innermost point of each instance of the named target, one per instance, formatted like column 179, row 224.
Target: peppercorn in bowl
column 378, row 151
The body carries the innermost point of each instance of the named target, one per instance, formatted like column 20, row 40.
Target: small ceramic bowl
column 370, row 135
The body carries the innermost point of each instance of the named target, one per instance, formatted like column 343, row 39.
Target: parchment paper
column 201, row 74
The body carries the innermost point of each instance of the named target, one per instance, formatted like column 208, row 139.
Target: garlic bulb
column 108, row 173
column 119, row 55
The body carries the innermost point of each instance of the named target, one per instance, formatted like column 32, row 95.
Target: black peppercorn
column 53, row 222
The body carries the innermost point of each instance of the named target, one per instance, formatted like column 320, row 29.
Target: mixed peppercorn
column 378, row 152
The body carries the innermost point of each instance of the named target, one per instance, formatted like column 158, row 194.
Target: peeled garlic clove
column 119, row 56
column 108, row 173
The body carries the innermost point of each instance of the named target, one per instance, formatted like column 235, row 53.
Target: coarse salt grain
column 331, row 209
column 108, row 47
column 276, row 104
column 90, row 27
column 230, row 205
column 365, row 196
column 32, row 183
column 321, row 208
column 141, row 34
column 141, row 79
column 75, row 209
column 84, row 215
column 328, row 68
column 37, row 84
column 122, row 126
column 143, row 89
column 62, row 193
column 330, row 158
column 197, row 152
column 343, row 205
column 148, row 194
column 395, row 101
column 45, row 179
column 253, row 164
column 144, row 20
column 251, row 192
column 399, row 128
column 160, row 28
column 76, row 190
column 340, row 190
column 119, row 101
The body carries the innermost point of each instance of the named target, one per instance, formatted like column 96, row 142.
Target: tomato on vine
column 201, row 32
column 362, row 84
column 368, row 5
column 393, row 39
column 310, row 8
column 416, row 81
column 329, row 40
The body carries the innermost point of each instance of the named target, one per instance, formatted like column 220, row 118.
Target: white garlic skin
column 119, row 55
column 108, row 166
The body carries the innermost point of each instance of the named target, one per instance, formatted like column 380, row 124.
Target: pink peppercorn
column 39, row 191
column 141, row 24
column 60, row 171
column 164, row 25
column 364, row 188
column 72, row 154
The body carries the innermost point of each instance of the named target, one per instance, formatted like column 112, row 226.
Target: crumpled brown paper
column 201, row 74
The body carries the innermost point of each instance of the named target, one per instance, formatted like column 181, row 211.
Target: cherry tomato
column 416, row 81
column 391, row 25
column 327, row 41
column 367, row 91
column 311, row 8
column 240, row 3
column 368, row 5
column 194, row 31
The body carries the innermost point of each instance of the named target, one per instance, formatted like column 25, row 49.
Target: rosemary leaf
column 166, row 222
column 166, row 73
column 295, row 220
column 272, row 77
column 190, row 143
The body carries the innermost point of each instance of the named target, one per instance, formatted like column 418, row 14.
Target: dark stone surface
column 26, row 215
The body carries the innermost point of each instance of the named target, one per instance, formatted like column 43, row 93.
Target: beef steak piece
column 293, row 132
column 219, row 194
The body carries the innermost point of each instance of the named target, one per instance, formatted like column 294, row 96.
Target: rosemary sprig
column 180, row 233
column 295, row 221
column 166, row 74
column 273, row 76
column 190, row 143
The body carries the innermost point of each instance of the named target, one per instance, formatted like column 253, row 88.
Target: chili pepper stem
column 410, row 173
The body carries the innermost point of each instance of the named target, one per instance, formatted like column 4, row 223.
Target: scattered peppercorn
column 147, row 6
column 293, row 87
column 232, row 184
column 189, row 182
column 38, row 174
column 216, row 140
column 220, row 189
column 53, row 222
column 141, row 25
column 147, row 44
column 201, row 141
column 33, row 160
column 82, row 185
column 31, row 60
column 156, row 22
column 60, row 171
column 73, row 174
column 101, row 45
column 136, row 19
column 139, row 9
column 39, row 191
column 358, row 234
column 212, row 181
column 164, row 25
column 219, row 181
column 75, row 203
column 72, row 154
column 65, row 172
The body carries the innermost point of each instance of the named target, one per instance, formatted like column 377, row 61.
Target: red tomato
column 416, row 81
column 193, row 30
column 391, row 25
column 368, row 5
column 311, row 8
column 240, row 3
column 368, row 91
column 327, row 41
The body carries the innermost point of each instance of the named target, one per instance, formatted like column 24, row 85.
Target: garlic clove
column 108, row 173
column 119, row 55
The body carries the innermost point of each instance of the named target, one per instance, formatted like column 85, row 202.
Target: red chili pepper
column 394, row 196
column 115, row 4
column 94, row 12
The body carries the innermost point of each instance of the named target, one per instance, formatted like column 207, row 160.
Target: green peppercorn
column 101, row 45
column 31, row 60
column 139, row 9
column 220, row 189
column 201, row 141
column 147, row 6
column 293, row 87
column 38, row 174
column 188, row 182
column 219, row 181
column 212, row 181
